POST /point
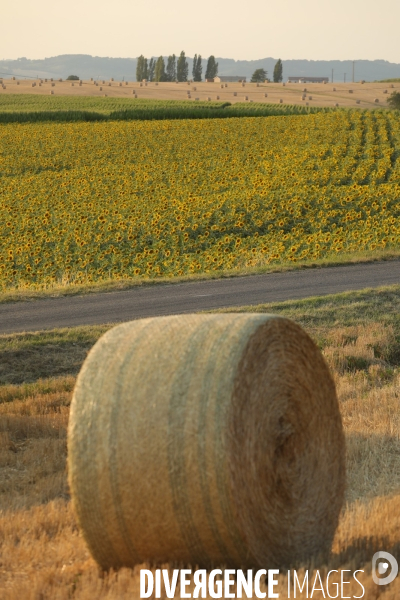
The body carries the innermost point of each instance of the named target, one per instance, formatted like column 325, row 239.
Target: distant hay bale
column 101, row 89
column 307, row 103
column 222, row 85
column 72, row 84
column 385, row 91
column 310, row 97
column 235, row 93
column 376, row 100
column 109, row 84
column 141, row 84
column 391, row 85
column 17, row 82
column 105, row 95
column 246, row 97
column 209, row 98
column 217, row 97
column 53, row 85
column 194, row 89
column 135, row 95
column 103, row 82
column 91, row 79
column 120, row 84
column 33, row 84
column 357, row 101
column 112, row 79
column 243, row 84
column 257, row 85
column 226, row 85
column 206, row 440
column 362, row 81
column 350, row 91
column 60, row 80
column 51, row 92
column 303, row 97
column 336, row 104
column 13, row 78
column 126, row 83
column 133, row 92
column 281, row 101
column 334, row 90
column 265, row 95
column 197, row 99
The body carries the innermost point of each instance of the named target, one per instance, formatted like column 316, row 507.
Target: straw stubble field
column 42, row 551
column 330, row 94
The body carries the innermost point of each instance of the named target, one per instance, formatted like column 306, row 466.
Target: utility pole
column 353, row 70
column 332, row 75
column 344, row 77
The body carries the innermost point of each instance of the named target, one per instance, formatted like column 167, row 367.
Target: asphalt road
column 172, row 299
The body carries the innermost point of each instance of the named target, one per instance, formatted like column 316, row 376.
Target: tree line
column 261, row 75
column 176, row 69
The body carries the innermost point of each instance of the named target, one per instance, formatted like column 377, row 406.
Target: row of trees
column 261, row 75
column 176, row 69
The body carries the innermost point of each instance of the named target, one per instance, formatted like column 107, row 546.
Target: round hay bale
column 281, row 101
column 376, row 100
column 217, row 97
column 206, row 439
column 357, row 101
column 265, row 95
column 235, row 93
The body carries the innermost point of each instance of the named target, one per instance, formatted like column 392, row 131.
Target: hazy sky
column 312, row 29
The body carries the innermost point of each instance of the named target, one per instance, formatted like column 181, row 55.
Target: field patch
column 90, row 202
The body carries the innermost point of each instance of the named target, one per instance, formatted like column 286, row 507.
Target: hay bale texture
column 206, row 440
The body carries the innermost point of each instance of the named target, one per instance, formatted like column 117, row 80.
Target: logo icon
column 383, row 562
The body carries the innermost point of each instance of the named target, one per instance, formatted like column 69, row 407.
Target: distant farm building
column 229, row 79
column 308, row 79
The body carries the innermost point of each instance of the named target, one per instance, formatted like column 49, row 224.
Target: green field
column 23, row 108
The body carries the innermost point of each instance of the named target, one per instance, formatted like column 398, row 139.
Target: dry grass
column 42, row 553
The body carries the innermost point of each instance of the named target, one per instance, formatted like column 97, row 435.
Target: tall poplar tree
column 212, row 68
column 171, row 68
column 159, row 71
column 197, row 68
column 139, row 68
column 278, row 71
column 182, row 68
column 150, row 70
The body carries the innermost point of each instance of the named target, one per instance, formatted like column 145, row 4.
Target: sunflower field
column 84, row 202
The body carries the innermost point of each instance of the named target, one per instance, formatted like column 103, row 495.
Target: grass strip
column 26, row 358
